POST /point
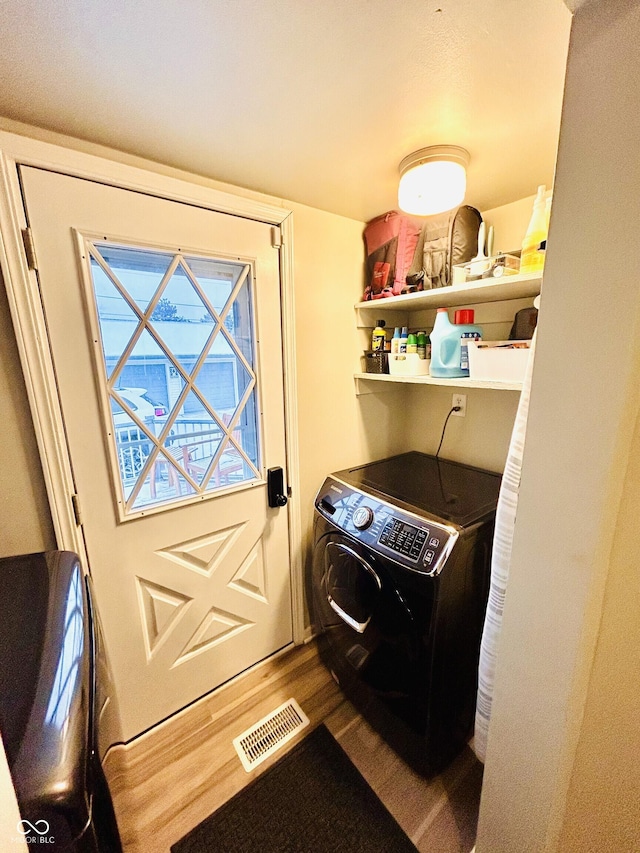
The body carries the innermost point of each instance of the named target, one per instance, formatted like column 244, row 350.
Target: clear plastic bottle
column 532, row 257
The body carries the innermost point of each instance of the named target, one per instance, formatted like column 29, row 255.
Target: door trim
column 31, row 332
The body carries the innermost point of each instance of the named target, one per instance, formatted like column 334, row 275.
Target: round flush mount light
column 433, row 179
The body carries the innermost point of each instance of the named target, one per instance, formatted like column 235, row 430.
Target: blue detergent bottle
column 446, row 355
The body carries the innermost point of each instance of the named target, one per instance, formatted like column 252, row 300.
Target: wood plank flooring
column 168, row 780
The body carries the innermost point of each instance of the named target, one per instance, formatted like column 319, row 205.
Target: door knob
column 275, row 488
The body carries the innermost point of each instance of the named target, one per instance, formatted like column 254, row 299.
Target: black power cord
column 452, row 499
column 451, row 411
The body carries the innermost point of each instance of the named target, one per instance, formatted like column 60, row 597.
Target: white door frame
column 31, row 333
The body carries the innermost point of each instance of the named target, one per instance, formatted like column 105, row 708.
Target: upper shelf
column 365, row 382
column 484, row 290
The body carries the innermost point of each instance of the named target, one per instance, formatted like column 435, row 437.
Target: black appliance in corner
column 50, row 703
column 400, row 579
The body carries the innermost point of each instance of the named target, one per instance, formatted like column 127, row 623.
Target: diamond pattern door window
column 177, row 337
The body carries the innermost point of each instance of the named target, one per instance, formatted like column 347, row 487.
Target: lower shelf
column 366, row 382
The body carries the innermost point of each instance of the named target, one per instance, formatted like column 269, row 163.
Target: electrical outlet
column 460, row 400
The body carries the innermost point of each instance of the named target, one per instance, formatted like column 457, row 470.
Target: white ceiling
column 314, row 101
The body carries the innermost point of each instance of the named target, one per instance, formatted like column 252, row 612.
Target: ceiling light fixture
column 433, row 179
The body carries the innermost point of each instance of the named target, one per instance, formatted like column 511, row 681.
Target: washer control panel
column 417, row 543
column 362, row 517
column 403, row 538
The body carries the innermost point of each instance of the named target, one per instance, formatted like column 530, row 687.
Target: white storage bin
column 498, row 361
column 408, row 364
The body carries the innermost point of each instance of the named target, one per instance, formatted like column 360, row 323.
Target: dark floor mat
column 311, row 801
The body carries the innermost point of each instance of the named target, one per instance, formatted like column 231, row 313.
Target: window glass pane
column 194, row 438
column 142, row 379
column 216, row 382
column 139, row 271
column 245, row 434
column 180, row 302
column 114, row 310
column 185, row 340
column 216, row 278
column 133, row 447
column 223, row 379
column 148, row 380
column 231, row 469
column 164, row 482
column 184, row 378
column 239, row 322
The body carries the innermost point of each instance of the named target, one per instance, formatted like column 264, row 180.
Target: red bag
column 390, row 242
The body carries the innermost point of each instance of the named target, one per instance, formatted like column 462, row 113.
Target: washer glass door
column 352, row 586
column 374, row 619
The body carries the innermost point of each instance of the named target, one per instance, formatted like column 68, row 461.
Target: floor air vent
column 269, row 734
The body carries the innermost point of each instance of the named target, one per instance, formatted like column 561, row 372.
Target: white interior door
column 165, row 330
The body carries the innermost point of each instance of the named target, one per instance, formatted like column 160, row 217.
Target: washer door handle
column 350, row 621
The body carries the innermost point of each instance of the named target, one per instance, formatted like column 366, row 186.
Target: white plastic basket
column 498, row 361
column 408, row 364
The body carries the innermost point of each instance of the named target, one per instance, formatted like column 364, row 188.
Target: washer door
column 351, row 585
column 368, row 625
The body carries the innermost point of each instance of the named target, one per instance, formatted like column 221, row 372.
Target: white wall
column 25, row 522
column 546, row 747
column 603, row 805
column 336, row 428
column 510, row 222
column 482, row 437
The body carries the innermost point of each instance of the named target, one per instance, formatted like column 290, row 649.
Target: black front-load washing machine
column 400, row 578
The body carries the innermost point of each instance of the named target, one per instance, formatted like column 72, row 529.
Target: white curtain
column 500, row 563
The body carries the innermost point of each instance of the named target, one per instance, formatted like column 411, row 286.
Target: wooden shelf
column 473, row 292
column 366, row 382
